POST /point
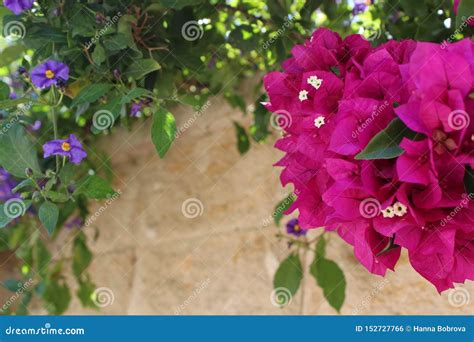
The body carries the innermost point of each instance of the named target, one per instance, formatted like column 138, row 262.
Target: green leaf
column 4, row 91
column 115, row 42
column 10, row 54
column 41, row 257
column 261, row 119
column 163, row 131
column 95, row 187
column 179, row 4
column 91, row 93
column 23, row 184
column 331, row 279
column 142, row 67
column 12, row 285
column 4, row 104
column 124, row 27
column 135, row 93
column 17, row 153
column 465, row 10
column 57, row 197
column 67, row 173
column 469, row 180
column 282, row 207
column 82, row 256
column 57, row 295
column 81, row 22
column 243, row 142
column 321, row 248
column 16, row 208
column 22, row 308
column 48, row 215
column 98, row 56
column 289, row 274
column 236, row 101
column 385, row 145
column 85, row 292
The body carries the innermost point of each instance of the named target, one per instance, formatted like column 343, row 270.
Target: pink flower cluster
column 332, row 99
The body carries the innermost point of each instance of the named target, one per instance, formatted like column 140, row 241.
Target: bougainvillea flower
column 49, row 73
column 337, row 95
column 70, row 147
column 18, row 6
column 456, row 5
column 416, row 164
column 293, row 228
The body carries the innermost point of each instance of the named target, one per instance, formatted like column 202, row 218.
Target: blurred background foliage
column 159, row 53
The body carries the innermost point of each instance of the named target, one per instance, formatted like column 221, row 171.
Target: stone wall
column 151, row 258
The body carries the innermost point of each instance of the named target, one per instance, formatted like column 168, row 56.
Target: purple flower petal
column 18, row 6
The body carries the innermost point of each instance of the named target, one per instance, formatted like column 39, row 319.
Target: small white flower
column 388, row 212
column 319, row 121
column 400, row 209
column 303, row 95
column 315, row 81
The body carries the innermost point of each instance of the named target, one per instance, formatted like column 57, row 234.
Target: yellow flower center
column 49, row 74
column 66, row 147
column 297, row 228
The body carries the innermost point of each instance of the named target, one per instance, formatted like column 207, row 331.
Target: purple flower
column 136, row 107
column 293, row 228
column 116, row 73
column 6, row 185
column 22, row 71
column 76, row 222
column 35, row 126
column 18, row 6
column 49, row 73
column 70, row 147
column 360, row 6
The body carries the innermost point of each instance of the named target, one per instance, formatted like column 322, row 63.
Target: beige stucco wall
column 154, row 260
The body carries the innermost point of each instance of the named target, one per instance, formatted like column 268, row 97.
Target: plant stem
column 55, row 129
column 303, row 283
